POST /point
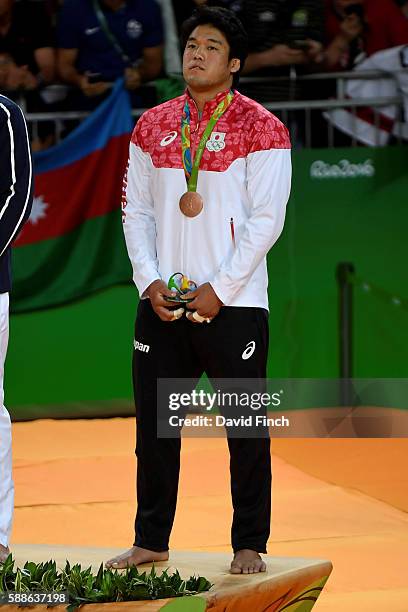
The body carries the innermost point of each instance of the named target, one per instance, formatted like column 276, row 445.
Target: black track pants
column 182, row 349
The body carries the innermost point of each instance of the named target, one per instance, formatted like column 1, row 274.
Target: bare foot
column 247, row 561
column 4, row 553
column 136, row 556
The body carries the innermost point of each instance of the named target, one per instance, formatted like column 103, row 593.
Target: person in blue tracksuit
column 16, row 194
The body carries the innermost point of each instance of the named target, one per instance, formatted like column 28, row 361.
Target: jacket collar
column 209, row 106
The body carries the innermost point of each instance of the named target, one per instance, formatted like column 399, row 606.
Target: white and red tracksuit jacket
column 244, row 178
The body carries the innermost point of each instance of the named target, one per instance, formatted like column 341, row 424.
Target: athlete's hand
column 156, row 292
column 206, row 303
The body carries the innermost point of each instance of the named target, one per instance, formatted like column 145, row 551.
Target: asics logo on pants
column 249, row 350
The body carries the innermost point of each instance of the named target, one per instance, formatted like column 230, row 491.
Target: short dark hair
column 226, row 22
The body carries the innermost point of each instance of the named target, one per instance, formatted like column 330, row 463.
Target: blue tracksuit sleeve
column 16, row 173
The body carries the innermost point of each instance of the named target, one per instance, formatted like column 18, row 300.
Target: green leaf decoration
column 106, row 586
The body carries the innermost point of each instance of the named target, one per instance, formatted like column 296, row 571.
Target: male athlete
column 15, row 205
column 206, row 189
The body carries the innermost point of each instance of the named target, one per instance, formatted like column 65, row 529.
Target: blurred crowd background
column 62, row 42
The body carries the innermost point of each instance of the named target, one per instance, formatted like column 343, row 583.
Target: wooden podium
column 290, row 584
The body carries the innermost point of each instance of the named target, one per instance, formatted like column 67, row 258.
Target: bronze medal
column 191, row 204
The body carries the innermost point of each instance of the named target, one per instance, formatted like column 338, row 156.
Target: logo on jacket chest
column 216, row 142
column 171, row 137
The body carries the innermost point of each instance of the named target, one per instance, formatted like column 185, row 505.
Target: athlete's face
column 206, row 63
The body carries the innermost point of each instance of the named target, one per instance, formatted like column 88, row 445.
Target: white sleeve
column 268, row 185
column 139, row 223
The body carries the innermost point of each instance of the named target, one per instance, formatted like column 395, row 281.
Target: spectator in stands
column 282, row 35
column 27, row 56
column 28, row 60
column 357, row 28
column 100, row 41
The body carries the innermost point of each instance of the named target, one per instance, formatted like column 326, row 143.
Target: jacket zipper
column 232, row 228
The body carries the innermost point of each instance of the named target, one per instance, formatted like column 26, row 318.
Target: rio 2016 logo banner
column 343, row 169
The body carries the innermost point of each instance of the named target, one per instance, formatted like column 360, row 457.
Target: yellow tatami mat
column 343, row 500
